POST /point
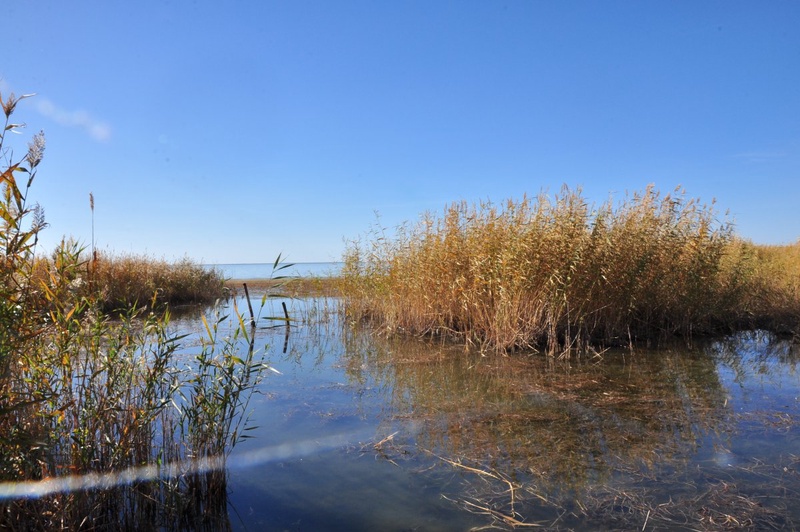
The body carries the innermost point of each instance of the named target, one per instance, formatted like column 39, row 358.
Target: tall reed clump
column 119, row 282
column 122, row 281
column 105, row 423
column 555, row 273
column 776, row 292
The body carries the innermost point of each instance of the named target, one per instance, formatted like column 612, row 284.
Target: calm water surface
column 358, row 432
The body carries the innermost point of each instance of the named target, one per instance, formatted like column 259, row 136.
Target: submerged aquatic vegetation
column 671, row 439
column 560, row 273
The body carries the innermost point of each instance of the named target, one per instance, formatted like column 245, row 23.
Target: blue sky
column 232, row 135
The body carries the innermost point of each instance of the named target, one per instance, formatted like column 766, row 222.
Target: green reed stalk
column 81, row 393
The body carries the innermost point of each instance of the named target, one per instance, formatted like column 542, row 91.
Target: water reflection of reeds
column 611, row 441
column 570, row 416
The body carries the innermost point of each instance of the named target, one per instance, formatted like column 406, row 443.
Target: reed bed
column 118, row 282
column 123, row 399
column 558, row 273
column 109, row 423
column 775, row 298
column 127, row 279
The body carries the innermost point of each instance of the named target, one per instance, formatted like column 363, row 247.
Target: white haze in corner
column 97, row 129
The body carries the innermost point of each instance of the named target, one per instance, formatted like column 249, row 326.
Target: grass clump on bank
column 126, row 280
column 560, row 273
column 116, row 283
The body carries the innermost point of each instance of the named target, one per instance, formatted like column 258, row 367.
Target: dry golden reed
column 124, row 280
column 557, row 273
column 118, row 282
column 775, row 301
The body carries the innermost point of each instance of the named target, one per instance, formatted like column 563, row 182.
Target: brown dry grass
column 558, row 273
column 775, row 299
column 123, row 280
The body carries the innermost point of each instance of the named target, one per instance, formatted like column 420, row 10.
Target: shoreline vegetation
column 558, row 274
column 117, row 283
column 297, row 287
column 93, row 381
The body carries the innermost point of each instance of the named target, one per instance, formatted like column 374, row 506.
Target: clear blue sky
column 232, row 131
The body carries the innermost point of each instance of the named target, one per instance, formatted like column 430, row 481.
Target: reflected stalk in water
column 570, row 435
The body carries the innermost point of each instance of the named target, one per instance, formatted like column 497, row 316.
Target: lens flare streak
column 284, row 451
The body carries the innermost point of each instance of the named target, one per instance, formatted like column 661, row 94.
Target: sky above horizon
column 230, row 136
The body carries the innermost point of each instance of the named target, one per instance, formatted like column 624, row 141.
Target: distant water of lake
column 265, row 271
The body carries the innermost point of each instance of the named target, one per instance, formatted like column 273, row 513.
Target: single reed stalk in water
column 249, row 305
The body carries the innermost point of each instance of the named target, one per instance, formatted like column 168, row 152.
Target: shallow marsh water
column 360, row 432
